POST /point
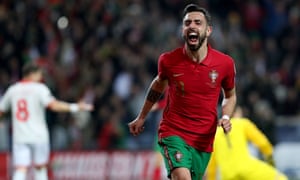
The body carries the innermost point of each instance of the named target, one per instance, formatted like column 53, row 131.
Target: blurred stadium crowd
column 106, row 52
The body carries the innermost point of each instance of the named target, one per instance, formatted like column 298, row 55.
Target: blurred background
column 105, row 52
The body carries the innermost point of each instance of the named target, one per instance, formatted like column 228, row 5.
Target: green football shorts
column 177, row 154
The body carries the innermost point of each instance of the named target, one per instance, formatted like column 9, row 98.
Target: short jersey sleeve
column 161, row 67
column 229, row 81
column 46, row 95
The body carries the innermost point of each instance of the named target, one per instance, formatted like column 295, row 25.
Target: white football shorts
column 30, row 154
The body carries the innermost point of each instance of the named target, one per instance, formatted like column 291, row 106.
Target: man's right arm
column 154, row 93
column 155, row 90
column 61, row 106
column 58, row 105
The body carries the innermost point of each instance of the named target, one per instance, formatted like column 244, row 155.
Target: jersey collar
column 207, row 59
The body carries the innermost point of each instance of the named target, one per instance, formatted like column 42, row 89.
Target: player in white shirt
column 27, row 101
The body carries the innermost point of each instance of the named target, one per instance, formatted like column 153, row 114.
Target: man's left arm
column 228, row 105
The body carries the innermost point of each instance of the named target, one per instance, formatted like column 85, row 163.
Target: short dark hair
column 30, row 68
column 195, row 8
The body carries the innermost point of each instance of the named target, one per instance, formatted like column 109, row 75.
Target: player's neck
column 199, row 55
column 27, row 79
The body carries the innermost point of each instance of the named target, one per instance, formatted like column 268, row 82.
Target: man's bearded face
column 194, row 39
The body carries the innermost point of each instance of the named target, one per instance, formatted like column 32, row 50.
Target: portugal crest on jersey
column 178, row 156
column 213, row 74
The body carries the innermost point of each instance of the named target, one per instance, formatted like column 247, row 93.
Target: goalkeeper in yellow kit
column 232, row 158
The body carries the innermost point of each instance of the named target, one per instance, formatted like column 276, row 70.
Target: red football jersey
column 193, row 94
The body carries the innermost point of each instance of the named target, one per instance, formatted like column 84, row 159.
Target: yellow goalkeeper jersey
column 232, row 157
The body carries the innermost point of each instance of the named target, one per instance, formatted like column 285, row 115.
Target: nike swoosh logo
column 176, row 75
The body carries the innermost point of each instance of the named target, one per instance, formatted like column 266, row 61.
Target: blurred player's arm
column 257, row 137
column 61, row 106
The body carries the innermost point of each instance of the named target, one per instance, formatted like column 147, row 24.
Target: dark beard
column 197, row 46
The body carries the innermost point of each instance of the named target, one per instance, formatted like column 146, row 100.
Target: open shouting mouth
column 193, row 37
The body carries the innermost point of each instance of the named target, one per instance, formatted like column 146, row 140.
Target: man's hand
column 85, row 107
column 136, row 126
column 225, row 124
